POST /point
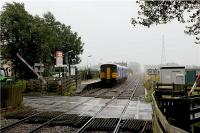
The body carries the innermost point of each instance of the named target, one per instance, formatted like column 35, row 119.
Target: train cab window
column 103, row 68
column 114, row 68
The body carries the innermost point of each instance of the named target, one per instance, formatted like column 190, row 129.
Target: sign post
column 39, row 67
column 59, row 61
column 59, row 58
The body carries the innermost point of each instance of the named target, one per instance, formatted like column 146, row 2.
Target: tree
column 60, row 37
column 162, row 12
column 36, row 39
column 17, row 38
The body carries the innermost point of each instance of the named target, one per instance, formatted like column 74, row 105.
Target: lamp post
column 87, row 65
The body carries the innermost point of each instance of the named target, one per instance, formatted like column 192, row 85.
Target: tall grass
column 149, row 82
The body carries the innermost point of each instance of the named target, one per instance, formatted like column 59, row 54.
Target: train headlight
column 114, row 75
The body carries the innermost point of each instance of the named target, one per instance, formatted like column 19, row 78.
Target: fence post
column 76, row 76
column 173, row 89
column 186, row 94
column 157, row 86
column 60, row 86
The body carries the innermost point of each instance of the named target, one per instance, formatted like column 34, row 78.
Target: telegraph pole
column 163, row 57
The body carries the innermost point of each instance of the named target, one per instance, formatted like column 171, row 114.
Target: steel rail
column 99, row 89
column 103, row 107
column 90, row 120
column 49, row 121
column 94, row 91
column 25, row 119
column 144, row 127
column 83, row 95
column 125, row 108
column 3, row 129
column 46, row 123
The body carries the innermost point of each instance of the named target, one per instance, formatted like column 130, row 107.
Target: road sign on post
column 59, row 58
column 39, row 67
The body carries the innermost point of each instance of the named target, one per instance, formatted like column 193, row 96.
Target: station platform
column 85, row 83
column 90, row 81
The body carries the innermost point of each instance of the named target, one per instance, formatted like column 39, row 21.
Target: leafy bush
column 149, row 85
column 89, row 74
column 21, row 84
column 70, row 91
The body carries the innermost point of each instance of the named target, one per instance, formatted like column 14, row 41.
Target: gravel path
column 5, row 122
column 59, row 129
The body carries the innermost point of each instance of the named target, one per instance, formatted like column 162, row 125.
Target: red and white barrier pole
column 194, row 86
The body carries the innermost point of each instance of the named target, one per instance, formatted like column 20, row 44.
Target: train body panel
column 112, row 73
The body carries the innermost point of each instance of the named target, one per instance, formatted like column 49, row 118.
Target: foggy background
column 105, row 28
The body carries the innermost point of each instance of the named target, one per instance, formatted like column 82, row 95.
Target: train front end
column 108, row 74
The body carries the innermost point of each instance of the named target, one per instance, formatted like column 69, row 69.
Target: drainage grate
column 134, row 125
column 106, row 124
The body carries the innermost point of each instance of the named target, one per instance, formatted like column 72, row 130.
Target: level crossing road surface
column 137, row 109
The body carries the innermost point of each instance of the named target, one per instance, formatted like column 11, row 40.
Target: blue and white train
column 113, row 73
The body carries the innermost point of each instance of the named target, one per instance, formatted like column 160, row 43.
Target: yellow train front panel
column 108, row 76
column 102, row 75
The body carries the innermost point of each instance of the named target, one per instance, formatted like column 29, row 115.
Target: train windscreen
column 114, row 68
column 103, row 68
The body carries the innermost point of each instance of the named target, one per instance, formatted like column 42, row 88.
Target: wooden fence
column 52, row 85
column 173, row 112
column 174, row 89
column 11, row 96
column 160, row 122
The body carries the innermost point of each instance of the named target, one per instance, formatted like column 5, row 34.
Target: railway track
column 83, row 128
column 89, row 123
column 93, row 92
column 3, row 129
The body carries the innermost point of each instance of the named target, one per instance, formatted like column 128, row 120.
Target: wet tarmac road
column 137, row 109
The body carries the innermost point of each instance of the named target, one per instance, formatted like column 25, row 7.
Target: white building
column 170, row 75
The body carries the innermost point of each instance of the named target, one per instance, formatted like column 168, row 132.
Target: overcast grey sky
column 105, row 28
